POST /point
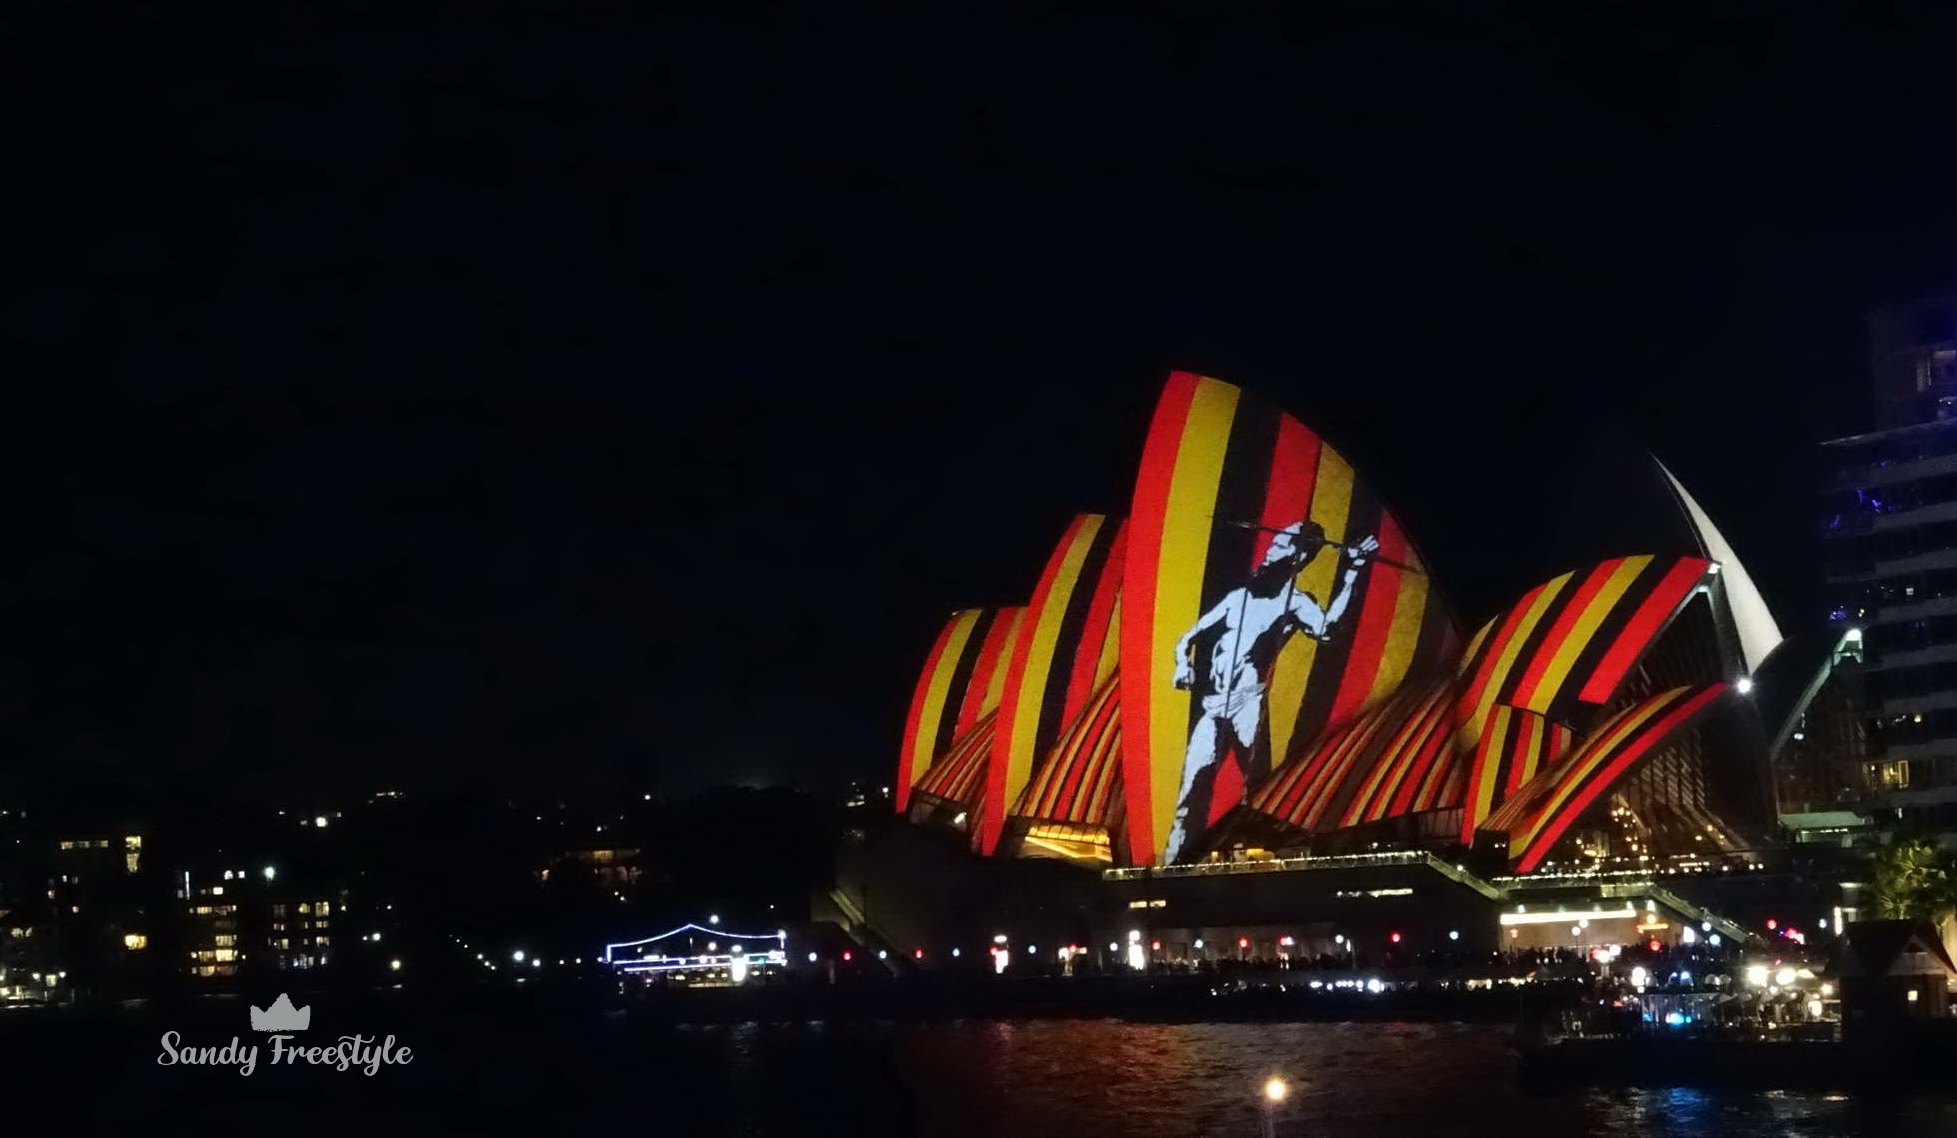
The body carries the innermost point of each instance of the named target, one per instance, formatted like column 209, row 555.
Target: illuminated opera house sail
column 1257, row 662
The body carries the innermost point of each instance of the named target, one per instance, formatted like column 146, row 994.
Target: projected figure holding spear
column 1246, row 630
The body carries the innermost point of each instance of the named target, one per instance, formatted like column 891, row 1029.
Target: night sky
column 437, row 397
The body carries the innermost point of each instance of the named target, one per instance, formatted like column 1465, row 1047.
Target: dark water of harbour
column 1062, row 1077
column 504, row 1070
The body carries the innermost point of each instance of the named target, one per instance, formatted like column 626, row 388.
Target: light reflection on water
column 1102, row 1078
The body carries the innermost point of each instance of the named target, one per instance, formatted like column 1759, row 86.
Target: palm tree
column 1916, row 879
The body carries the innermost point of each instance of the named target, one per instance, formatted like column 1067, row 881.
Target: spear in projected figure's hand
column 1317, row 541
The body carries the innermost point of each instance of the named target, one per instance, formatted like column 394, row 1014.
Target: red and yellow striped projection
column 963, row 678
column 1221, row 474
column 1555, row 799
column 1262, row 630
column 1079, row 779
column 1055, row 658
column 1514, row 747
column 1559, row 653
column 1336, row 777
column 984, row 696
column 960, row 777
column 986, row 688
column 933, row 715
column 1416, row 768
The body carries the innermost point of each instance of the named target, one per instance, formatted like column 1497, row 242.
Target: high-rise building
column 240, row 921
column 1913, row 359
column 1890, row 558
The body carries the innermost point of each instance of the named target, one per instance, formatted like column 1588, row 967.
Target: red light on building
column 919, row 954
column 1243, row 942
column 1394, row 937
column 1772, row 924
column 1156, row 945
column 846, row 955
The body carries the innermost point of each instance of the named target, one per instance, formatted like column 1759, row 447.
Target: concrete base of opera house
column 919, row 895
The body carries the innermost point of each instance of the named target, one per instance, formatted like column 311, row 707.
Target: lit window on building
column 135, row 940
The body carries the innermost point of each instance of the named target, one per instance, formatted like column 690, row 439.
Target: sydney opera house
column 1247, row 705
